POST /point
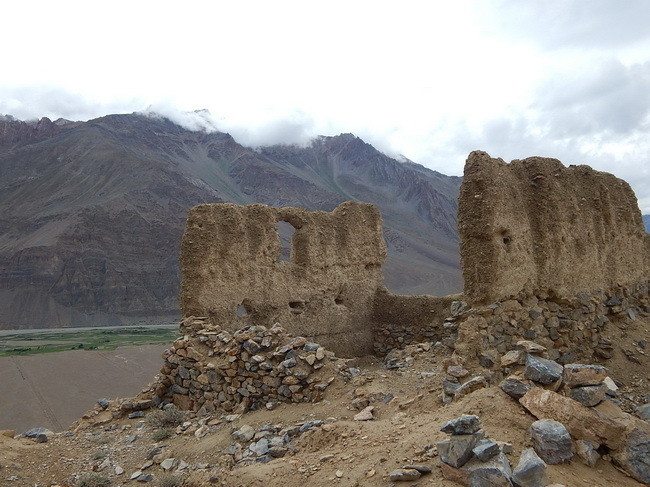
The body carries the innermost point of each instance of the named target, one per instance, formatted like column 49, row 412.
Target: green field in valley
column 29, row 342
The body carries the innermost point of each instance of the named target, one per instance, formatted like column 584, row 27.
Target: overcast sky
column 429, row 80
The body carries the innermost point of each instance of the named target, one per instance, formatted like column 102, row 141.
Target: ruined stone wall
column 536, row 226
column 403, row 320
column 231, row 261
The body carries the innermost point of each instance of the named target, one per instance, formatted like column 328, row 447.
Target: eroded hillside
column 92, row 213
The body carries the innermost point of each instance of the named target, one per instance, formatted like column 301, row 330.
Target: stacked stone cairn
column 209, row 368
column 469, row 458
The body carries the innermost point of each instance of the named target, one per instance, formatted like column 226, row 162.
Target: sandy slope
column 52, row 390
column 363, row 452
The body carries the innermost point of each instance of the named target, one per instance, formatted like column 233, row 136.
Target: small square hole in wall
column 285, row 234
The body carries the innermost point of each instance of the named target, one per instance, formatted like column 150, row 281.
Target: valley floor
column 54, row 389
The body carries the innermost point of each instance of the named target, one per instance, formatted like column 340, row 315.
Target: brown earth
column 363, row 452
column 53, row 390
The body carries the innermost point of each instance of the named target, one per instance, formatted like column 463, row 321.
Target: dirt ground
column 53, row 390
column 346, row 452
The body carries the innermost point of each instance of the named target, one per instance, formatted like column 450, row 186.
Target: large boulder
column 541, row 370
column 457, row 450
column 584, row 375
column 551, row 441
column 588, row 395
column 530, row 471
column 595, row 424
column 496, row 472
column 626, row 436
column 634, row 457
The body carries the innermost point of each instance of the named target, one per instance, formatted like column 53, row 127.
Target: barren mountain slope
column 91, row 213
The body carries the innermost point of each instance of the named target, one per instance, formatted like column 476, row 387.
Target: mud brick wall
column 535, row 225
column 233, row 272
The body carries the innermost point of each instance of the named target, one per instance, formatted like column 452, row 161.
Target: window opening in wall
column 285, row 234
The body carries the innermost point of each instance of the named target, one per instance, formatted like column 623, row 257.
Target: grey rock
column 251, row 346
column 530, row 471
column 644, row 411
column 103, row 403
column 635, row 457
column 244, row 434
column 450, row 387
column 589, row 395
column 183, row 373
column 42, row 438
column 464, row 425
column 36, row 432
column 486, row 449
column 551, row 441
column 584, row 374
column 168, row 463
column 457, row 450
column 542, row 370
column 458, row 307
column 404, row 475
column 136, row 414
column 495, row 472
column 311, row 347
column 586, row 450
column 261, row 447
column 310, row 424
column 289, row 363
column 514, row 387
column 144, row 477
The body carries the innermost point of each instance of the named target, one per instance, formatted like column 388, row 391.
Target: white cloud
column 430, row 80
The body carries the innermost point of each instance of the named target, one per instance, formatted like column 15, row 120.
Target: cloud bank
column 429, row 80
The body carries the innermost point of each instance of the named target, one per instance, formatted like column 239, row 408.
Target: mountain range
column 91, row 213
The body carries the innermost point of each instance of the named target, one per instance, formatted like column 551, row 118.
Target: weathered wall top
column 233, row 272
column 536, row 225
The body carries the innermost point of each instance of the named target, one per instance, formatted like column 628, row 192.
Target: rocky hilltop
column 92, row 212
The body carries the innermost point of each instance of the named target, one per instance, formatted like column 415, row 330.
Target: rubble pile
column 210, row 368
column 268, row 441
column 570, row 329
column 582, row 397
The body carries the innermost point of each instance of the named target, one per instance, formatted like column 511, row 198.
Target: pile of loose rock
column 586, row 383
column 210, row 368
column 582, row 397
column 267, row 442
column 469, row 458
